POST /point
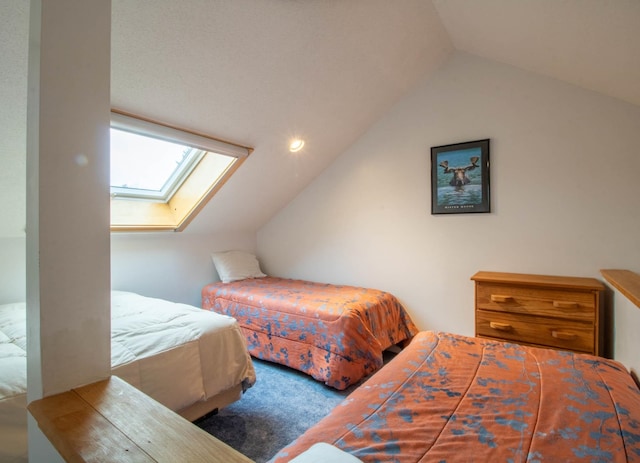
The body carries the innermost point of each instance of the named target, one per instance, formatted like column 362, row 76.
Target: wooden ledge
column 111, row 420
column 625, row 281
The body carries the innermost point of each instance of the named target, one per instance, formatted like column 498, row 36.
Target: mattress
column 334, row 333
column 177, row 354
column 13, row 384
column 458, row 399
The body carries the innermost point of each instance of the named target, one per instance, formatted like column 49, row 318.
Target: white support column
column 68, row 244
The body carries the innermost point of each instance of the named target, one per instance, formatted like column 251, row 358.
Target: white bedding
column 176, row 353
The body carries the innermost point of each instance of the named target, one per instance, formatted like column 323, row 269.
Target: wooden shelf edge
column 625, row 281
column 110, row 420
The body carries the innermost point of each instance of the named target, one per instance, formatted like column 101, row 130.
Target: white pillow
column 236, row 265
column 323, row 452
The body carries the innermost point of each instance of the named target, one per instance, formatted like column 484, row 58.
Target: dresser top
column 580, row 283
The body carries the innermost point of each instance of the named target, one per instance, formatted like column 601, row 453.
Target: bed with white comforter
column 188, row 359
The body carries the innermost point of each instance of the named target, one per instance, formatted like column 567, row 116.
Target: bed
column 334, row 333
column 188, row 359
column 453, row 398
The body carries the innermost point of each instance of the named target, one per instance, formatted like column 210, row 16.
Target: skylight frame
column 203, row 180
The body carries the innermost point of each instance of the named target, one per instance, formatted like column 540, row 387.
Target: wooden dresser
column 540, row 310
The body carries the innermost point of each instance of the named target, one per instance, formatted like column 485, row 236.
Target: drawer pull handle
column 500, row 298
column 565, row 305
column 500, row 326
column 565, row 335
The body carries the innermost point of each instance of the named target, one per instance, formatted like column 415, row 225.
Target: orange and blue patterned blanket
column 450, row 398
column 334, row 333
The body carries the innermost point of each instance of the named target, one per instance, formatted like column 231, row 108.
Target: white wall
column 173, row 266
column 12, row 270
column 627, row 321
column 564, row 188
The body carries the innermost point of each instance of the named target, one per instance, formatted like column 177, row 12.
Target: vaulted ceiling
column 259, row 72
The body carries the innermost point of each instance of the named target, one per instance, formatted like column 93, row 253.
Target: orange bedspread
column 458, row 399
column 334, row 333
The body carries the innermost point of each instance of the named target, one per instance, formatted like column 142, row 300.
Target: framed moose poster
column 460, row 178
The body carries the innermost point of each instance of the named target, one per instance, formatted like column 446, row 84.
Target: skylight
column 161, row 176
column 149, row 168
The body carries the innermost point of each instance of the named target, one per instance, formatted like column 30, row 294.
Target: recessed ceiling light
column 296, row 145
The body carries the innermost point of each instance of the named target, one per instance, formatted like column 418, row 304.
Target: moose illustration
column 459, row 178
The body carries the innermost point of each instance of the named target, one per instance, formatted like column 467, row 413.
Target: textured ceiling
column 594, row 44
column 260, row 72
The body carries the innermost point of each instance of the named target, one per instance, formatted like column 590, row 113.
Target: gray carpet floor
column 274, row 412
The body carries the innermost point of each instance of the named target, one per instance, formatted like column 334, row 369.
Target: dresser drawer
column 546, row 302
column 542, row 331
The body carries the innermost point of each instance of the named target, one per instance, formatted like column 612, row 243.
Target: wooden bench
column 111, row 420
